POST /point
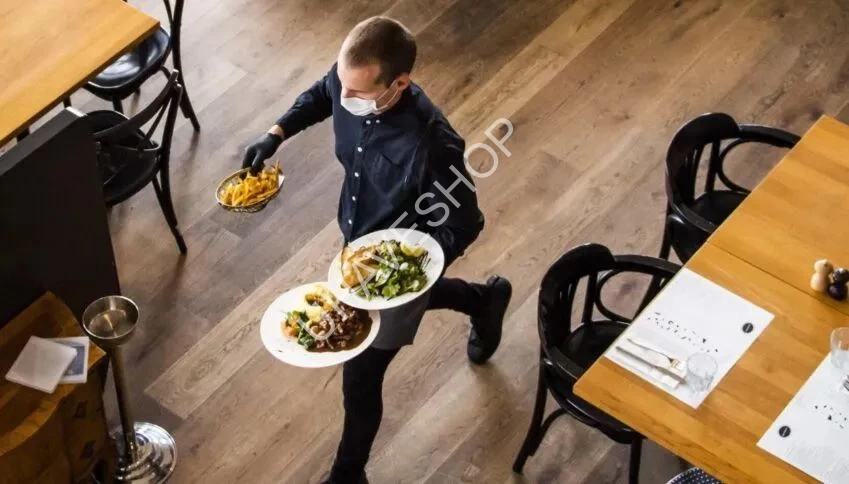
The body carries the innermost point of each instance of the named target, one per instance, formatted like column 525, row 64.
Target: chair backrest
column 174, row 12
column 716, row 134
column 598, row 266
column 166, row 104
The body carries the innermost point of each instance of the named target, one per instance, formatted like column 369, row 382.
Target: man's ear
column 403, row 81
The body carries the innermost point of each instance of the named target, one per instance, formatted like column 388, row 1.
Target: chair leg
column 163, row 194
column 535, row 431
column 177, row 59
column 634, row 466
column 186, row 106
column 116, row 104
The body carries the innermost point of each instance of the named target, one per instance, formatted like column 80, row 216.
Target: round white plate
column 287, row 349
column 409, row 237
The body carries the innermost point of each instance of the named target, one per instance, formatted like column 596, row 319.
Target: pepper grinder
column 146, row 452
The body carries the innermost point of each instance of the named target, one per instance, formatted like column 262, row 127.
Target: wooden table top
column 799, row 213
column 721, row 435
column 49, row 48
column 764, row 253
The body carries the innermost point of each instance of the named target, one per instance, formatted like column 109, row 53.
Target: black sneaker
column 486, row 329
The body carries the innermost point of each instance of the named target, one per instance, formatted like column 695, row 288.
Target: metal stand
column 147, row 453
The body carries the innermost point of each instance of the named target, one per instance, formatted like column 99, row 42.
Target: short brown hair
column 384, row 41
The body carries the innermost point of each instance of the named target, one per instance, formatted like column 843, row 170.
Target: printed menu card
column 812, row 433
column 690, row 315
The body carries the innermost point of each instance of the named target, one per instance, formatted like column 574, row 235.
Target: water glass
column 701, row 370
column 840, row 353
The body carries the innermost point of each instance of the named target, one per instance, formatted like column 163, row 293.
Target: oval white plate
column 410, row 237
column 287, row 349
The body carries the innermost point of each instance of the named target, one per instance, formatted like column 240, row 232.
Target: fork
column 673, row 362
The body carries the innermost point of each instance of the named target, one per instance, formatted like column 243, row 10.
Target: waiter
column 395, row 147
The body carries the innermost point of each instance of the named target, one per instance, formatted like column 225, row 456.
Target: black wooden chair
column 128, row 159
column 692, row 218
column 126, row 75
column 566, row 353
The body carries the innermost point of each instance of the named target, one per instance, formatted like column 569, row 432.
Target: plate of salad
column 309, row 327
column 386, row 269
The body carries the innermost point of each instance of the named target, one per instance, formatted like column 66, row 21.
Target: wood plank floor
column 594, row 89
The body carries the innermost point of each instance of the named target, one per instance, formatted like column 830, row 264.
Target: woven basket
column 252, row 208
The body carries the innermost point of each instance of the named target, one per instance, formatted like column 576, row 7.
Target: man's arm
column 312, row 106
column 449, row 207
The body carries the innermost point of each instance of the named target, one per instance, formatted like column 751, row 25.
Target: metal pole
column 127, row 422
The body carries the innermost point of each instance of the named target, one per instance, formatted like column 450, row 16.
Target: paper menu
column 812, row 432
column 693, row 314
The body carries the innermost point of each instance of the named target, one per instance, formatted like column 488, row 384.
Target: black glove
column 260, row 150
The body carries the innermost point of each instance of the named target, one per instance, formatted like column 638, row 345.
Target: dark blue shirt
column 403, row 165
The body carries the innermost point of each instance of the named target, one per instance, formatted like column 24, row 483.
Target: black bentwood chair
column 566, row 353
column 126, row 75
column 128, row 159
column 691, row 219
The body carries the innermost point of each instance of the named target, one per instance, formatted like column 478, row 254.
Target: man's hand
column 260, row 150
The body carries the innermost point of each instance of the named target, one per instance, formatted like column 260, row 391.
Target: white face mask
column 363, row 107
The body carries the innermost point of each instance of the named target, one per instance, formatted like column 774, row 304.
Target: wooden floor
column 594, row 89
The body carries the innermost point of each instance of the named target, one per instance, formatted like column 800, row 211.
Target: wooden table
column 49, row 48
column 764, row 253
column 799, row 213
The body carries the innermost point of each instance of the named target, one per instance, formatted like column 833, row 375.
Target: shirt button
column 377, row 121
column 359, row 149
column 368, row 121
column 354, row 198
column 356, row 174
column 350, row 222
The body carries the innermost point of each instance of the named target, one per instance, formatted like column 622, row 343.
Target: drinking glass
column 701, row 369
column 840, row 353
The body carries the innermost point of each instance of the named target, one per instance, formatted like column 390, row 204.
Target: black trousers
column 362, row 384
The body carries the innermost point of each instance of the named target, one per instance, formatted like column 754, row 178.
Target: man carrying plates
column 404, row 167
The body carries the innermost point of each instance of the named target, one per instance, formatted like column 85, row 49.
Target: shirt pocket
column 390, row 177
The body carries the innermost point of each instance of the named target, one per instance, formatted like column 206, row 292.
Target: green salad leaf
column 398, row 273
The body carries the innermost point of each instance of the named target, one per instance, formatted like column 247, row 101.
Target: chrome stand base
column 156, row 455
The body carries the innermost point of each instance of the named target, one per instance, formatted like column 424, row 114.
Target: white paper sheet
column 41, row 364
column 812, row 433
column 690, row 315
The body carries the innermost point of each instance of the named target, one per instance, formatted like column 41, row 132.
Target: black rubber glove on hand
column 260, row 150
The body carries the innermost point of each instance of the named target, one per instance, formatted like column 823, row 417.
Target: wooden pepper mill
column 821, row 278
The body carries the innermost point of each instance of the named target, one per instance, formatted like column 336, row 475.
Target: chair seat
column 714, row 207
column 124, row 75
column 584, row 346
column 717, row 206
column 135, row 171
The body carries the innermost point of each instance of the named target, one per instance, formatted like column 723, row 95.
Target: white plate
column 410, row 237
column 287, row 349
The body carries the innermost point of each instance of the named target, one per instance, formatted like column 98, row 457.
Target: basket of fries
column 244, row 191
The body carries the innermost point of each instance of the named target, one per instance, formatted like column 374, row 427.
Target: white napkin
column 651, row 364
column 41, row 364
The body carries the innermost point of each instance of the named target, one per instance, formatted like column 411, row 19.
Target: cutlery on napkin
column 653, row 361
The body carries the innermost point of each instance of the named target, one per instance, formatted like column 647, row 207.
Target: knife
column 666, row 370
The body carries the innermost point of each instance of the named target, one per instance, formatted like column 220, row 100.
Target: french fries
column 252, row 188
